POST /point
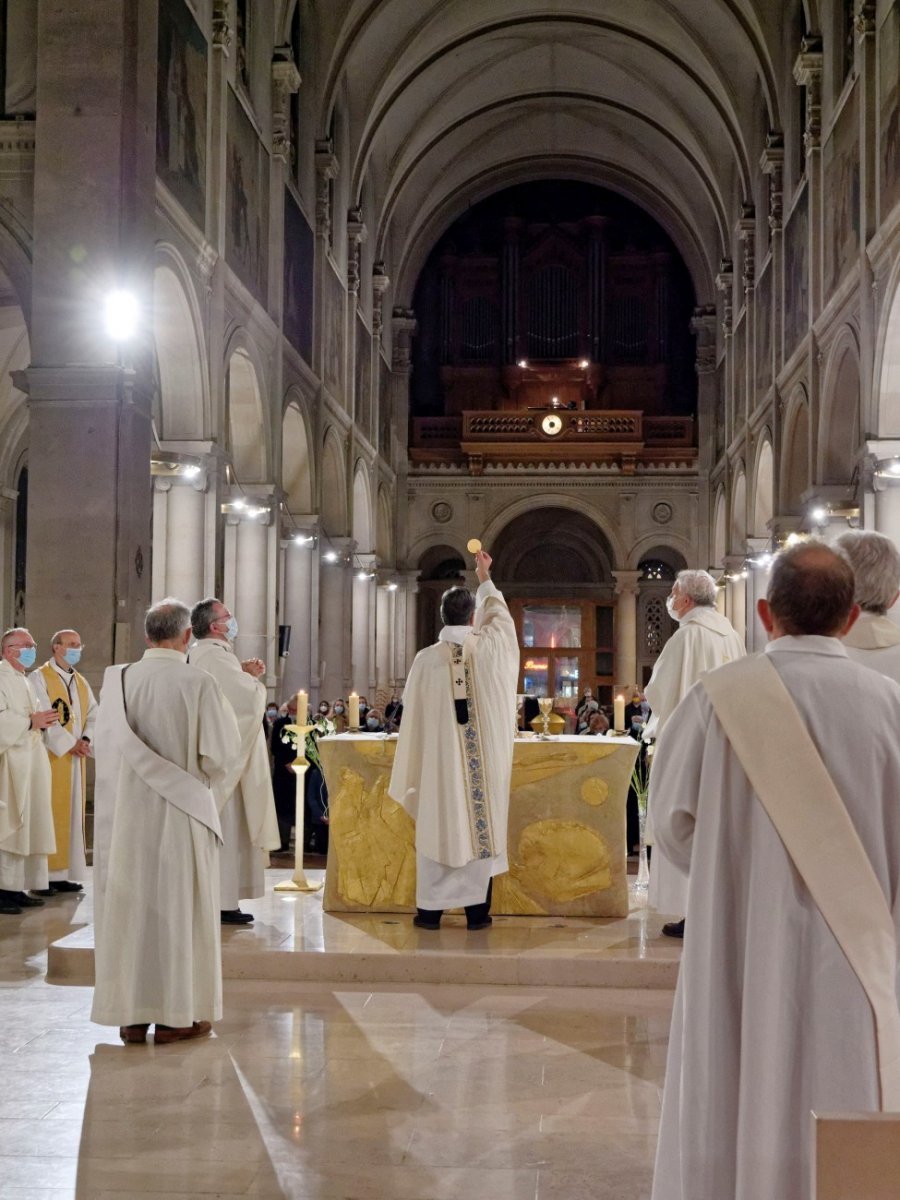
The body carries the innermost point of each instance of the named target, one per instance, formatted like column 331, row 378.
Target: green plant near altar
column 640, row 781
column 321, row 727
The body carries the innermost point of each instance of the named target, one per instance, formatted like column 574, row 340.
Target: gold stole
column 477, row 799
column 61, row 767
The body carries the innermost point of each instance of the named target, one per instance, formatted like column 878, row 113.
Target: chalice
column 545, row 704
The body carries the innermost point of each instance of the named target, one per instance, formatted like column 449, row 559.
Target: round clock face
column 551, row 424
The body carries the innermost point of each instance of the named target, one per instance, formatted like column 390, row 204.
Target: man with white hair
column 874, row 640
column 704, row 640
column 166, row 738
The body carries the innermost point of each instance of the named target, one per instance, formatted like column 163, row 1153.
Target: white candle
column 302, row 707
column 619, row 714
column 354, row 710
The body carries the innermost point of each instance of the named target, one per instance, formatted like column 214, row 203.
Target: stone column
column 364, row 587
column 627, row 583
column 757, row 584
column 93, row 232
column 736, row 593
column 385, row 628
column 808, row 74
column 405, row 647
column 772, row 164
column 725, row 284
column 300, row 608
column 881, row 498
column 335, row 606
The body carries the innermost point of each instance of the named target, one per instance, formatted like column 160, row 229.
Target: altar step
column 293, row 940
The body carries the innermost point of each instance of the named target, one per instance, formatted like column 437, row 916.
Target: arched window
column 658, row 571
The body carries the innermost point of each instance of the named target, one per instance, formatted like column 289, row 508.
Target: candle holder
column 546, row 706
column 298, row 881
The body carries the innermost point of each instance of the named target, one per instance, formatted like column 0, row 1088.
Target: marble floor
column 316, row 1090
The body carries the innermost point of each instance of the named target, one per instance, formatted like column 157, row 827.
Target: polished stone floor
column 387, row 1092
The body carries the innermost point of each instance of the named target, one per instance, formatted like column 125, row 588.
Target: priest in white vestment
column 704, row 640
column 874, row 639
column 770, row 1020
column 26, row 823
column 166, row 738
column 57, row 684
column 249, row 821
column 453, row 763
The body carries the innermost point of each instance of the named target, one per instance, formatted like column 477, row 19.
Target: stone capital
column 221, row 26
column 627, row 582
column 285, row 82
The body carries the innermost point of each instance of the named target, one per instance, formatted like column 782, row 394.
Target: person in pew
column 453, row 762
column 783, row 814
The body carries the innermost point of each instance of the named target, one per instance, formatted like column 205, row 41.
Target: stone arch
column 180, row 357
column 720, row 537
column 384, row 527
column 840, row 416
column 763, row 489
column 737, row 528
column 441, row 561
column 296, row 462
column 246, row 425
column 554, row 500
column 795, row 459
column 549, row 547
column 362, row 510
column 887, row 363
column 673, row 542
column 333, row 486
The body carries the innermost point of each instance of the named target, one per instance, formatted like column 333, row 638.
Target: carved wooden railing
column 591, row 426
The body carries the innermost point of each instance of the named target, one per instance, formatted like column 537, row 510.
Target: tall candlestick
column 619, row 714
column 302, row 707
column 354, row 710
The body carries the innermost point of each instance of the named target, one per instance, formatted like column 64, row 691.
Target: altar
column 566, row 837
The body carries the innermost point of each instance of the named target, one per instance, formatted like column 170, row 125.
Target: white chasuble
column 70, row 693
column 26, row 823
column 770, row 1020
column 703, row 641
column 874, row 641
column 249, row 821
column 165, row 739
column 453, row 779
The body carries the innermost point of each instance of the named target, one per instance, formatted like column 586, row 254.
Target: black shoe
column 481, row 924
column 420, row 924
column 234, row 916
column 48, row 892
column 8, row 907
column 63, row 885
column 674, row 929
column 25, row 901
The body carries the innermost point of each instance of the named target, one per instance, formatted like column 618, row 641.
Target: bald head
column 810, row 593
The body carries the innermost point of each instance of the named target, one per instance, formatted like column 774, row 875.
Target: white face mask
column 670, row 608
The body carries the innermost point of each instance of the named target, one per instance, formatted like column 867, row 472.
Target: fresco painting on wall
column 889, row 94
column 247, row 195
column 764, row 331
column 297, row 318
column 796, row 274
column 181, row 108
column 840, row 174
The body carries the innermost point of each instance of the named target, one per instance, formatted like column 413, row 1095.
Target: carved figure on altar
column 453, row 764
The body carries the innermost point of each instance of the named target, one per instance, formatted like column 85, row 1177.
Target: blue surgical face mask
column 73, row 656
column 231, row 628
column 27, row 655
column 372, row 723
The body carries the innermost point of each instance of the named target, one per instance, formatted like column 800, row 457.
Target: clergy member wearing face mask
column 26, row 821
column 249, row 821
column 58, row 685
column 703, row 641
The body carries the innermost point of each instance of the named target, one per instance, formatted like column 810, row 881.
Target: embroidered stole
column 62, row 766
column 785, row 770
column 477, row 798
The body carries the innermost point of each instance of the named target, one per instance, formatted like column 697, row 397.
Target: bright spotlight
column 330, row 556
column 523, row 363
column 584, row 364
column 121, row 315
column 191, row 471
column 819, row 514
column 894, row 468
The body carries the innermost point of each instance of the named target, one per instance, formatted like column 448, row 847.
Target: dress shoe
column 420, row 924
column 133, row 1035
column 64, row 885
column 25, row 901
column 8, row 906
column 674, row 929
column 234, row 916
column 48, row 892
column 164, row 1035
column 488, row 921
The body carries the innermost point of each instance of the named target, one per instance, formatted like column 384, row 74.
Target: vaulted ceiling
column 445, row 101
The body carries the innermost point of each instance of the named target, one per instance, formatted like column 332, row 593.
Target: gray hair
column 876, row 568
column 166, row 620
column 202, row 616
column 10, row 633
column 698, row 586
column 58, row 636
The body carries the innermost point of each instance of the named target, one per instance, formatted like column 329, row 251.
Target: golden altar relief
column 566, row 835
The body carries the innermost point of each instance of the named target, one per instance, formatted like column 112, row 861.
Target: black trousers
column 476, row 914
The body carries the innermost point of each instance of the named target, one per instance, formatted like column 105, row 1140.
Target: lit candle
column 302, row 707
column 354, row 710
column 619, row 714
